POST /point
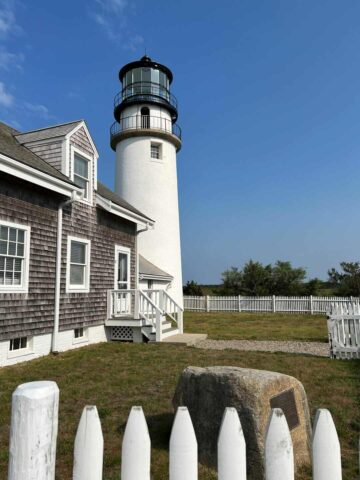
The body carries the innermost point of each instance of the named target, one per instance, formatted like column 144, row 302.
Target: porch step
column 169, row 332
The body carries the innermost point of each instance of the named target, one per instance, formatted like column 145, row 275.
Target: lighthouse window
column 155, row 151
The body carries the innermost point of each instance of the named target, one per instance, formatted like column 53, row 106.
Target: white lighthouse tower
column 146, row 140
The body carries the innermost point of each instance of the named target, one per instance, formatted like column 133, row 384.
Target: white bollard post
column 183, row 457
column 89, row 446
column 231, row 447
column 279, row 457
column 326, row 455
column 34, row 424
column 136, row 447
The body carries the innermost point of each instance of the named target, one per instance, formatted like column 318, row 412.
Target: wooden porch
column 154, row 311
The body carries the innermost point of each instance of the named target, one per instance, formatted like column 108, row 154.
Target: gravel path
column 308, row 348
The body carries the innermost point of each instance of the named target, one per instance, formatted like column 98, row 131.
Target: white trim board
column 25, row 172
column 122, row 212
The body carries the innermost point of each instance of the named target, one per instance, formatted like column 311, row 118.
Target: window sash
column 79, row 332
column 12, row 256
column 155, row 151
column 19, row 343
column 82, row 173
column 78, row 264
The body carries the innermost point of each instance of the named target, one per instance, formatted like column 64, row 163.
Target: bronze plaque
column 286, row 401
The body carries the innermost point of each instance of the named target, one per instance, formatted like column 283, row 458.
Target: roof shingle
column 10, row 147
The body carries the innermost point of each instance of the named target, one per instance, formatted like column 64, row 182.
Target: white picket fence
column 33, row 435
column 344, row 330
column 272, row 303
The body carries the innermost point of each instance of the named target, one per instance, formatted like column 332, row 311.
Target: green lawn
column 257, row 326
column 116, row 376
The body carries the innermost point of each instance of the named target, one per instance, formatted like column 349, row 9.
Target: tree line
column 281, row 278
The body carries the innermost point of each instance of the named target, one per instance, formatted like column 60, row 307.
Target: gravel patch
column 305, row 348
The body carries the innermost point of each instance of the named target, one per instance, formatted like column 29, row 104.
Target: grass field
column 257, row 326
column 116, row 376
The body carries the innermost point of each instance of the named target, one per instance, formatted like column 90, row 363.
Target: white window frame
column 20, row 352
column 90, row 159
column 160, row 147
column 127, row 251
column 77, row 288
column 24, row 287
column 83, row 339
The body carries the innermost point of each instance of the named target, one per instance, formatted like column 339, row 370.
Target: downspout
column 137, row 256
column 54, row 340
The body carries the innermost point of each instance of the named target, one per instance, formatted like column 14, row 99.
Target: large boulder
column 207, row 391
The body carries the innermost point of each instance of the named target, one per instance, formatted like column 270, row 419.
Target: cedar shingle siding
column 27, row 204
column 51, row 152
column 105, row 231
column 31, row 313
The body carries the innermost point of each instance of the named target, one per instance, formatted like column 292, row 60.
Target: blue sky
column 269, row 108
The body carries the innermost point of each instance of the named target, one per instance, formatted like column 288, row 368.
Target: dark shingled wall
column 33, row 313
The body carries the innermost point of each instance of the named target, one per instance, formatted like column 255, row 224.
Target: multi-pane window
column 81, row 174
column 155, row 151
column 13, row 257
column 18, row 343
column 79, row 332
column 78, row 264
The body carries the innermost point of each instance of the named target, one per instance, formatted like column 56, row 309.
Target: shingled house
column 70, row 274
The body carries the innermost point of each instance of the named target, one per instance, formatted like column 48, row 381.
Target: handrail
column 148, row 89
column 176, row 313
column 158, row 315
column 153, row 304
column 167, row 295
column 145, row 122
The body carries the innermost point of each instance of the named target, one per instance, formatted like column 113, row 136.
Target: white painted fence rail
column 272, row 303
column 344, row 330
column 33, row 435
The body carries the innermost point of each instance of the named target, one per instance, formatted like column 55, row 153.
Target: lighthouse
column 146, row 139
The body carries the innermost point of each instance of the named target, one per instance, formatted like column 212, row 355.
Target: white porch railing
column 344, row 330
column 151, row 313
column 173, row 310
column 34, row 426
column 153, row 306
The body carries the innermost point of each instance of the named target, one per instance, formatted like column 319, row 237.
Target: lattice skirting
column 122, row 333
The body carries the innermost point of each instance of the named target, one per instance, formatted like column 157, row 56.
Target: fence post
column 325, row 448
column 239, row 303
column 89, row 446
column 311, row 305
column 231, row 447
column 279, row 455
column 181, row 322
column 34, row 424
column 274, row 303
column 136, row 447
column 207, row 303
column 183, row 456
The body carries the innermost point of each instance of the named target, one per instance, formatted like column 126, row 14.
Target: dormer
column 69, row 148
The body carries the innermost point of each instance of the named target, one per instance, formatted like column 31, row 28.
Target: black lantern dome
column 145, row 81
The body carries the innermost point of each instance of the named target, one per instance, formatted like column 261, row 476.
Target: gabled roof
column 10, row 147
column 47, row 132
column 105, row 192
column 149, row 270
